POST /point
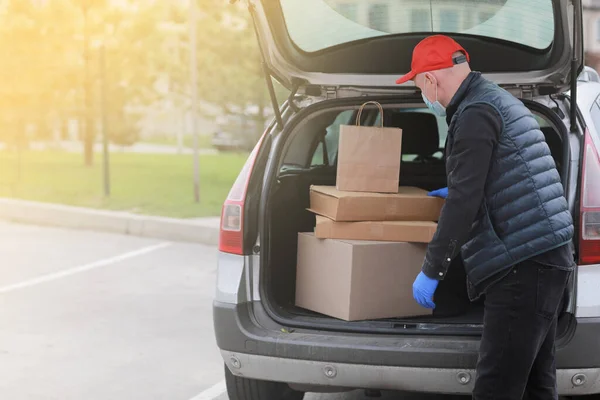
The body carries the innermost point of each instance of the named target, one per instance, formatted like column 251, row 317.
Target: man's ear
column 431, row 79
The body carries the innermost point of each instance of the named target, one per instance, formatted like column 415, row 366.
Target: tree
column 230, row 69
column 128, row 33
column 233, row 62
column 31, row 69
column 52, row 71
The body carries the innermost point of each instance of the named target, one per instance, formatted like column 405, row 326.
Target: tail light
column 231, row 236
column 589, row 248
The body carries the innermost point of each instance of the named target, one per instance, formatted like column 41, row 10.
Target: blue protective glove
column 423, row 290
column 443, row 193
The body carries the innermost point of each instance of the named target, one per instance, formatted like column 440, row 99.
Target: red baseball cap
column 433, row 53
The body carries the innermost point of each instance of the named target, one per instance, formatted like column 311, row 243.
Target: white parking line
column 212, row 393
column 82, row 268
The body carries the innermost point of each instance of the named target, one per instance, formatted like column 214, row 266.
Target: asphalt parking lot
column 86, row 315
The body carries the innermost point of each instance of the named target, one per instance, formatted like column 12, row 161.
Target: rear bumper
column 395, row 362
column 429, row 380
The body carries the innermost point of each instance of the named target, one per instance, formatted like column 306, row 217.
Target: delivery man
column 505, row 213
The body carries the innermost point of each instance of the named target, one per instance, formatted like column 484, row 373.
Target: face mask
column 436, row 107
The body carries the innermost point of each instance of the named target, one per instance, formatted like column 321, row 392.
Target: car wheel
column 252, row 389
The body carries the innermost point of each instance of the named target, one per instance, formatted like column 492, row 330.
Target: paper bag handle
column 360, row 110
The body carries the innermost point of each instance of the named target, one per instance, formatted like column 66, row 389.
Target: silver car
column 334, row 55
column 588, row 74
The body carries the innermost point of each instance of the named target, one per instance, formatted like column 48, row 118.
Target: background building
column 591, row 32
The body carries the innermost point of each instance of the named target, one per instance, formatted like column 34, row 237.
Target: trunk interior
column 309, row 159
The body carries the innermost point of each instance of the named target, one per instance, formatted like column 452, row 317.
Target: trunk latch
column 330, row 93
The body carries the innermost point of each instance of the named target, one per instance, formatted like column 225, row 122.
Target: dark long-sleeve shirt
column 475, row 136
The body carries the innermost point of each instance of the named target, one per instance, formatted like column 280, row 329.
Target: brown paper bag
column 369, row 157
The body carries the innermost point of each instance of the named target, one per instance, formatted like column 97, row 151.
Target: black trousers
column 516, row 355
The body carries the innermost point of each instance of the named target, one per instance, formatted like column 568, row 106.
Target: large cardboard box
column 385, row 231
column 409, row 204
column 358, row 280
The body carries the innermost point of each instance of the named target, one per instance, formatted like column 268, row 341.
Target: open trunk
column 533, row 46
column 309, row 154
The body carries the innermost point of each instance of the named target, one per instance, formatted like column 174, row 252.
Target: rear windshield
column 318, row 24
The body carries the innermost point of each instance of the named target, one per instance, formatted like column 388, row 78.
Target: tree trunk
column 88, row 144
column 88, row 135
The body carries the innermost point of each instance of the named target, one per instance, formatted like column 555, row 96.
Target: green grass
column 204, row 141
column 141, row 183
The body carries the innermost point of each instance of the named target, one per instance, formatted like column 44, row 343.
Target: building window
column 468, row 19
column 449, row 21
column 348, row 10
column 379, row 17
column 485, row 16
column 420, row 20
column 486, row 27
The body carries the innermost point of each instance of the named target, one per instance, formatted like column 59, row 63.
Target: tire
column 252, row 389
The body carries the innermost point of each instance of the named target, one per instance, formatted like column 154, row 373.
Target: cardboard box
column 409, row 204
column 358, row 280
column 386, row 231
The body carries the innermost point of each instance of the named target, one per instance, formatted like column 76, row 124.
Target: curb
column 172, row 229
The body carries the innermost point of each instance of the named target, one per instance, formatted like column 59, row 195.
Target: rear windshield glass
column 318, row 24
